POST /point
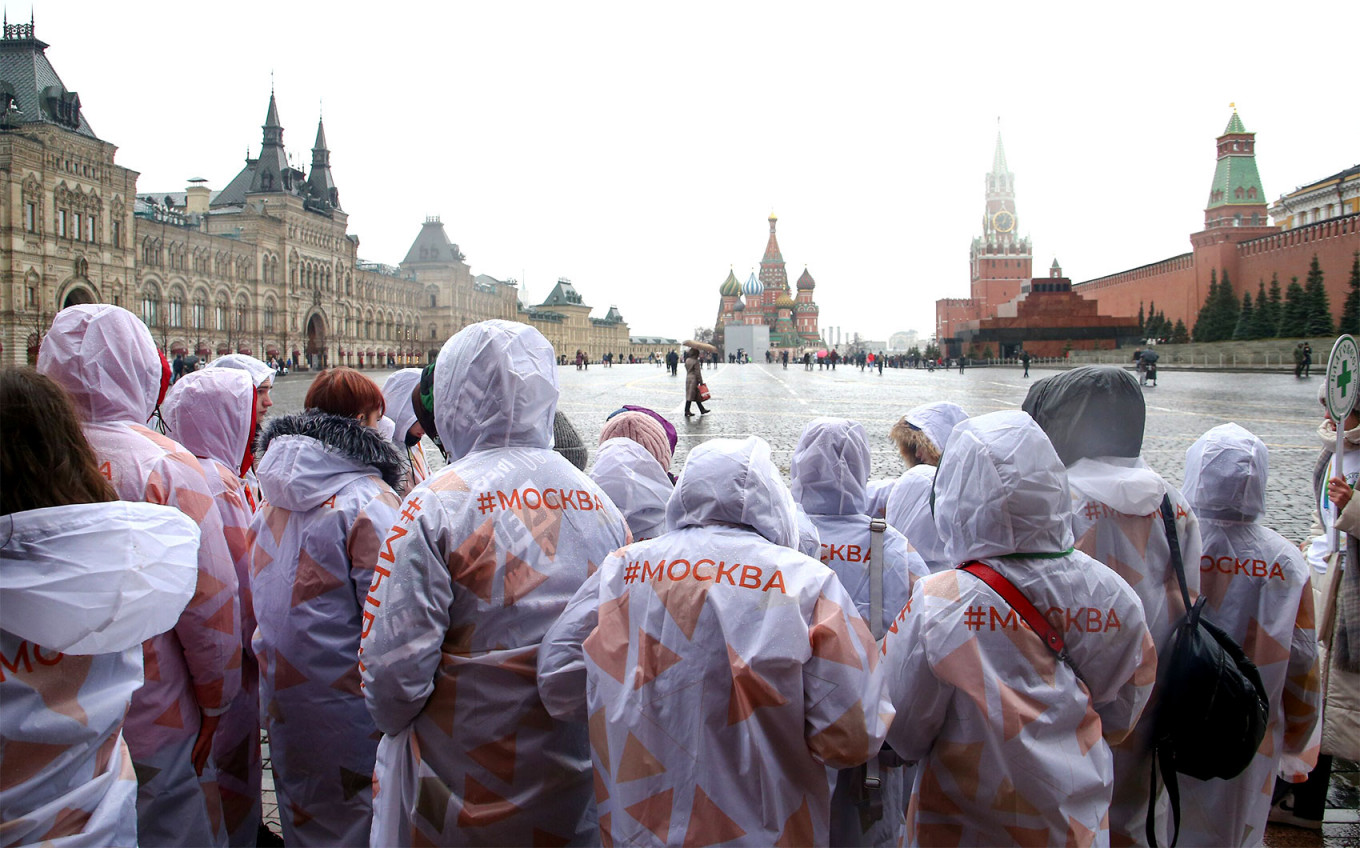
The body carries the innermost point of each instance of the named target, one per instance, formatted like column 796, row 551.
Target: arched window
column 242, row 315
column 200, row 310
column 150, row 303
column 176, row 309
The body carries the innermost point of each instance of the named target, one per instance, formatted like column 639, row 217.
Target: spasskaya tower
column 1000, row 258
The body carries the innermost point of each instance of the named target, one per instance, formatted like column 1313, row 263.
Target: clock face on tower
column 1003, row 221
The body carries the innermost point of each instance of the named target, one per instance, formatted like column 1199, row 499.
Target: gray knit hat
column 567, row 442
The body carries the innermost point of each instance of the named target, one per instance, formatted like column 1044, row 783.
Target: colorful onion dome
column 805, row 282
column 730, row 286
column 739, row 307
column 753, row 287
column 783, row 301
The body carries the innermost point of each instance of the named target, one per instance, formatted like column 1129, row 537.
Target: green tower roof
column 730, row 286
column 1234, row 125
column 1236, row 180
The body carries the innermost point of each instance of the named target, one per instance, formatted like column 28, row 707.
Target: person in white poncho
column 921, row 437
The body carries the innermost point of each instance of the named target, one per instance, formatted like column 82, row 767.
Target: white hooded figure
column 263, row 378
column 82, row 586
column 1257, row 589
column 879, row 491
column 830, row 467
column 636, row 483
column 328, row 483
column 719, row 670
column 1094, row 416
column 397, row 390
column 105, row 359
column 1013, row 746
column 922, row 435
column 212, row 413
column 481, row 561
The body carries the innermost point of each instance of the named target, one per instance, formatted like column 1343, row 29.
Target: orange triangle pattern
column 312, row 580
column 193, row 504
column 482, row 807
column 829, row 635
column 1028, row 837
column 1137, row 529
column 653, row 659
column 599, row 740
column 1089, row 731
column 276, row 519
column 69, row 821
column 151, row 663
column 933, row 798
column 637, row 761
column 654, row 813
column 259, row 560
column 224, row 620
column 601, row 791
column 1040, row 658
column 432, row 802
column 708, row 824
column 606, row 832
column 60, row 693
column 286, row 675
column 25, row 760
column 684, row 601
column 944, row 585
column 607, row 645
column 1131, row 575
column 938, row 833
column 169, row 718
column 750, row 691
column 207, row 587
column 349, row 682
column 440, row 705
column 1263, row 648
column 1012, row 803
column 797, row 830
column 353, row 782
column 473, row 564
column 962, row 760
column 544, row 526
column 448, row 480
column 1018, row 710
column 962, row 667
column 843, row 739
column 497, row 757
column 520, row 578
column 209, row 693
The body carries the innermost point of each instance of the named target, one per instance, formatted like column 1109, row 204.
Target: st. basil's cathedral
column 765, row 299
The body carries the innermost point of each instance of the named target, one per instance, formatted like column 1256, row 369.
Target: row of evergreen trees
column 1299, row 311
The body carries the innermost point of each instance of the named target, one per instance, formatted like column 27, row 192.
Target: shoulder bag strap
column 1042, row 627
column 877, row 527
column 1169, row 520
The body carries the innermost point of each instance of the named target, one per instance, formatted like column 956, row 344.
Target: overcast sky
column 638, row 148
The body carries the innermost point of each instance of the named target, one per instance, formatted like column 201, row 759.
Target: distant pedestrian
column 1024, row 360
column 960, row 364
column 1298, row 360
column 784, row 359
column 693, row 379
column 878, row 360
column 1307, row 359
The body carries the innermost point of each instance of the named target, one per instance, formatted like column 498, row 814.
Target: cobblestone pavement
column 768, row 401
column 775, row 404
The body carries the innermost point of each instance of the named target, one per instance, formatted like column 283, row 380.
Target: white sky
column 637, row 148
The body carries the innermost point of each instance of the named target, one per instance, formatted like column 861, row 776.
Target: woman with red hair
column 328, row 478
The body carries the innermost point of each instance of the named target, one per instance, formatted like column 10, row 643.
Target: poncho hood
column 1124, row 483
column 734, row 481
column 1225, row 474
column 495, row 386
column 636, row 483
column 1091, row 411
column 212, row 413
column 312, row 455
column 937, row 420
column 830, row 468
column 105, row 359
column 1001, row 489
column 397, row 396
column 96, row 578
column 259, row 372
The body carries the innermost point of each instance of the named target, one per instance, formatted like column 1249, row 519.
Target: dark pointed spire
column 272, row 172
column 320, row 184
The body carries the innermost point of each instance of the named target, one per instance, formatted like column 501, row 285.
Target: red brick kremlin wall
column 1179, row 285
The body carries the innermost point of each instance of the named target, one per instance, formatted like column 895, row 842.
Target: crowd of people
column 511, row 651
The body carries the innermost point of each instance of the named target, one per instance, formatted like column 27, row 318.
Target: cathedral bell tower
column 1000, row 258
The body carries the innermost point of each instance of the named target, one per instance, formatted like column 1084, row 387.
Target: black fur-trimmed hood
column 334, row 449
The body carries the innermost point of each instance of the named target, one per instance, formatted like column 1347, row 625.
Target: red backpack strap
column 1042, row 627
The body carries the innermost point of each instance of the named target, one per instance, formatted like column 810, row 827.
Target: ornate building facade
column 766, row 299
column 264, row 266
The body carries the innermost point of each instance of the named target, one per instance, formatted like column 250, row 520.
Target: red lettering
column 754, row 573
column 834, row 551
column 107, row 470
column 1008, row 621
column 538, row 499
column 670, row 569
column 697, row 575
column 852, row 554
column 652, row 573
column 1206, row 563
column 372, row 600
column 388, row 555
column 330, row 502
column 583, row 500
column 598, row 505
column 724, row 571
column 511, row 502
column 1073, row 620
column 1219, row 564
column 1258, row 568
column 556, row 504
column 378, row 574
column 1239, row 566
column 1093, row 621
column 369, row 618
column 1112, row 620
column 1276, row 571
column 776, row 579
column 38, row 655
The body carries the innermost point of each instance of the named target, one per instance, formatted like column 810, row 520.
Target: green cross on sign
column 1343, row 380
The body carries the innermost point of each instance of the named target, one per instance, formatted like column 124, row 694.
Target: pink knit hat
column 643, row 429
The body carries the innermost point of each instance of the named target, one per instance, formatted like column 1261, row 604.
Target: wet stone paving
column 775, row 404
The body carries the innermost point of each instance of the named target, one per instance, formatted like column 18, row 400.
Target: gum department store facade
column 265, row 266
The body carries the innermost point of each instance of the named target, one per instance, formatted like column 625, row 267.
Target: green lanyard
column 1057, row 555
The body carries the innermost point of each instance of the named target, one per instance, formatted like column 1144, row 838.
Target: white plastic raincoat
column 1258, row 590
column 260, row 374
column 82, row 587
column 104, row 357
column 908, row 504
column 397, row 390
column 829, row 468
column 1095, row 416
column 636, row 483
column 482, row 559
column 212, row 413
column 720, row 671
column 1012, row 745
column 328, row 486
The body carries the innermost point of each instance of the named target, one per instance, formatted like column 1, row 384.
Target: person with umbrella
column 694, row 375
column 1147, row 367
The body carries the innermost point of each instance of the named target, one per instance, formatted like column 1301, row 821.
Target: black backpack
column 1212, row 707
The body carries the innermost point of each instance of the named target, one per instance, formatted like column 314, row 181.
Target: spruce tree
column 1294, row 317
column 1226, row 309
column 1179, row 334
column 1319, row 309
column 1204, row 322
column 1246, row 319
column 1163, row 325
column 1141, row 326
column 1262, row 326
column 1276, row 310
column 1350, row 312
